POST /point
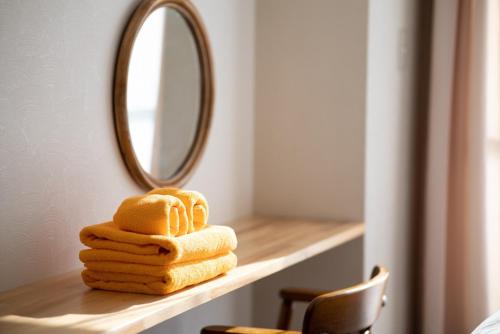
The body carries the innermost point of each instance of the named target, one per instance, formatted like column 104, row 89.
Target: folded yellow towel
column 159, row 280
column 109, row 243
column 195, row 203
column 153, row 214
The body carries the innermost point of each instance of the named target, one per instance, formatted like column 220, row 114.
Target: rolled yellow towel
column 153, row 214
column 109, row 243
column 158, row 280
column 195, row 203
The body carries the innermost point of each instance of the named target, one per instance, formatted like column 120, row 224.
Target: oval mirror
column 163, row 92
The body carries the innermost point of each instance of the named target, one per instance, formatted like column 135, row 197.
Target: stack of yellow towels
column 157, row 243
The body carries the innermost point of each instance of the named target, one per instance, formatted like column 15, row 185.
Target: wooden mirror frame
column 193, row 20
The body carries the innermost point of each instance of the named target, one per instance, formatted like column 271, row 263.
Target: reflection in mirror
column 163, row 93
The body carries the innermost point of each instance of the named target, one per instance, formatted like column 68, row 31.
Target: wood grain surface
column 65, row 304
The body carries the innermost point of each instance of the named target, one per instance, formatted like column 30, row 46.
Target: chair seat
column 243, row 330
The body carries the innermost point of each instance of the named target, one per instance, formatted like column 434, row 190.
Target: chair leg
column 285, row 315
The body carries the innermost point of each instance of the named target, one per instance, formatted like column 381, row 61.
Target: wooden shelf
column 64, row 304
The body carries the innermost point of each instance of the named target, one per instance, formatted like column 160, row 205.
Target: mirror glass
column 163, row 94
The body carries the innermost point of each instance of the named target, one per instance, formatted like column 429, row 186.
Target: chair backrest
column 350, row 310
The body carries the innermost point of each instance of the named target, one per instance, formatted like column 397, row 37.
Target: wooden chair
column 346, row 311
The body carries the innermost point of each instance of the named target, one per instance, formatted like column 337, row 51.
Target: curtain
column 462, row 235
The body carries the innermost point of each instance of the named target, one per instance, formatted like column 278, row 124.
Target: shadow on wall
column 234, row 305
column 339, row 268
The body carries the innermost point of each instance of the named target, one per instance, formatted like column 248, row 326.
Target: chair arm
column 300, row 295
column 242, row 330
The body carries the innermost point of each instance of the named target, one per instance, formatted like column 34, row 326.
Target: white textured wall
column 60, row 166
column 389, row 133
column 309, row 131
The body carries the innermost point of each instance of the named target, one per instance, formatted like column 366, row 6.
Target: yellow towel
column 195, row 203
column 158, row 280
column 109, row 243
column 153, row 214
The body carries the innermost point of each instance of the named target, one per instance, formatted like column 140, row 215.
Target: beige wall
column 390, row 114
column 60, row 167
column 310, row 108
column 309, row 131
